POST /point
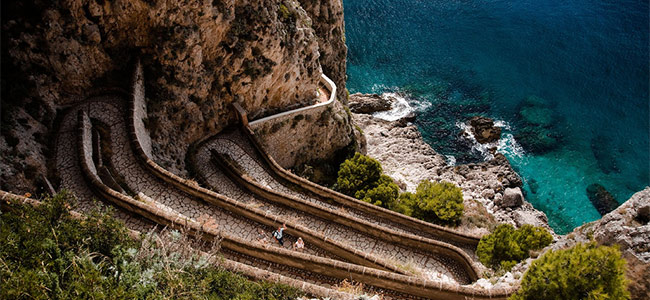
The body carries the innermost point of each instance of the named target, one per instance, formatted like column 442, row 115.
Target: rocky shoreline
column 492, row 193
column 408, row 159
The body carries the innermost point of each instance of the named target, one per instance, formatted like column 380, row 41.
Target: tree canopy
column 507, row 246
column 585, row 271
column 436, row 202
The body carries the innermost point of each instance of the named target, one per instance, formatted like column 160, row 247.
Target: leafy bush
column 384, row 194
column 440, row 203
column 586, row 271
column 505, row 247
column 361, row 177
column 47, row 254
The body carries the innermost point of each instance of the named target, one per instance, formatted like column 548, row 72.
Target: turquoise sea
column 568, row 81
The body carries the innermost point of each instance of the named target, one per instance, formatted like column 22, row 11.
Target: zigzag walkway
column 229, row 149
column 183, row 214
column 283, row 181
column 99, row 152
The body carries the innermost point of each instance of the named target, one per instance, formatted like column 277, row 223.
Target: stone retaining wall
column 363, row 226
column 308, row 133
column 347, row 201
column 192, row 188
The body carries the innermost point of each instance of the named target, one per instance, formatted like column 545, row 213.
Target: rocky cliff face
column 327, row 18
column 199, row 56
column 628, row 226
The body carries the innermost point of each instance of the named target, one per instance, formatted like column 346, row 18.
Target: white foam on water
column 400, row 108
column 451, row 160
column 506, row 145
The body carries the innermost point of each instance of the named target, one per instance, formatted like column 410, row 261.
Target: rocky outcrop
column 408, row 159
column 484, row 130
column 199, row 55
column 512, row 197
column 327, row 21
column 369, row 103
column 628, row 227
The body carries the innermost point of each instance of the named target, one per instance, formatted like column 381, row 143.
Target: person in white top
column 299, row 245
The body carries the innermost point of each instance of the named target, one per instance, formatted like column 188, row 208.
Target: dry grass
column 350, row 287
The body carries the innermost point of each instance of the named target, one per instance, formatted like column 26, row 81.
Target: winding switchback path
column 103, row 152
column 332, row 220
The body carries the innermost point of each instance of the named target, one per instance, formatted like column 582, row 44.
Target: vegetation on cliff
column 47, row 254
column 435, row 202
column 506, row 246
column 585, row 271
column 361, row 177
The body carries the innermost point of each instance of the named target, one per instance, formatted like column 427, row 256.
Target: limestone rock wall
column 306, row 136
column 198, row 57
column 327, row 18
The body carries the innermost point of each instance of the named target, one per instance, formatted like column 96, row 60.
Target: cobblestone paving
column 412, row 260
column 110, row 111
column 156, row 192
column 69, row 171
column 237, row 137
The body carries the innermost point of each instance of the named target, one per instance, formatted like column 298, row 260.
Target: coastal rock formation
column 408, row 159
column 369, row 103
column 327, row 22
column 628, row 227
column 199, row 56
column 484, row 130
column 512, row 197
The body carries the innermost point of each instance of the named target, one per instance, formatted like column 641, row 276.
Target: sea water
column 567, row 81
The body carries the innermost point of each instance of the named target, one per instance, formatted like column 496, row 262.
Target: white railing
column 329, row 84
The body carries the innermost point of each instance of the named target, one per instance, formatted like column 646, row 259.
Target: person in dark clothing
column 277, row 234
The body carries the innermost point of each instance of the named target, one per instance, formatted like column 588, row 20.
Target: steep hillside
column 199, row 56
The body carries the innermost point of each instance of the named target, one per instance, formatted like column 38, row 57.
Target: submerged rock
column 602, row 200
column 605, row 156
column 369, row 103
column 536, row 123
column 484, row 130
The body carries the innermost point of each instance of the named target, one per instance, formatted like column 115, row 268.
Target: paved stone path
column 108, row 112
column 263, row 176
column 69, row 171
column 112, row 146
column 231, row 143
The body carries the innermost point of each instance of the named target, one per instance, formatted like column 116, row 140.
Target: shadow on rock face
column 602, row 200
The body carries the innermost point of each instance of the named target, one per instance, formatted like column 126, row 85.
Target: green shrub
column 505, row 247
column 440, row 203
column 361, row 177
column 47, row 254
column 586, row 271
column 384, row 194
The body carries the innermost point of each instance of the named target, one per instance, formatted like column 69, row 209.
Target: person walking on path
column 278, row 234
column 299, row 245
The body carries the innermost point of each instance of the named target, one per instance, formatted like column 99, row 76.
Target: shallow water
column 586, row 60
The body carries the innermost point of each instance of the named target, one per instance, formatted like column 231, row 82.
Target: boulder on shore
column 484, row 130
column 512, row 197
column 369, row 103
